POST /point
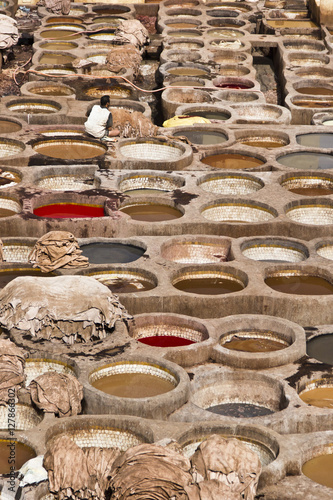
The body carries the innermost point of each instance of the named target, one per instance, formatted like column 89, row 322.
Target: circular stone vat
column 237, row 96
column 311, row 102
column 49, row 69
column 112, row 20
column 325, row 249
column 318, row 392
column 125, row 280
column 8, row 126
column 265, row 140
column 306, row 160
column 186, row 82
column 225, row 33
column 183, row 33
column 17, row 252
column 55, row 58
column 196, row 250
column 66, row 182
column 316, row 140
column 151, row 211
column 9, row 179
column 301, row 60
column 222, row 12
column 64, row 20
column 319, row 467
column 311, row 212
column 240, row 395
column 69, row 149
column 182, row 12
column 98, row 57
column 34, row 367
column 234, row 71
column 151, row 150
column 230, row 184
column 264, row 445
column 202, row 136
column 130, row 379
column 9, row 147
column 69, row 211
column 187, row 44
column 31, row 106
column 149, row 183
column 103, row 35
column 258, row 113
column 26, row 417
column 320, row 347
column 110, row 10
column 20, row 451
column 65, row 46
column 255, row 342
column 192, row 71
column 227, row 44
column 178, row 56
column 184, row 96
column 232, row 161
column 97, row 90
column 239, row 212
column 306, row 46
column 167, row 330
column 182, row 23
column 50, row 89
column 57, row 33
column 274, row 250
column 9, row 207
column 299, row 282
column 230, row 82
column 65, row 130
column 112, row 252
column 210, row 281
column 210, row 112
column 8, row 274
column 314, row 90
column 309, row 185
column 315, row 73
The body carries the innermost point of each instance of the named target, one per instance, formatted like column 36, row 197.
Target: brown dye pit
column 315, row 91
column 7, row 276
column 69, row 150
column 300, row 285
column 113, row 92
column 182, row 25
column 184, row 34
column 60, row 34
column 312, row 191
column 314, row 104
column 232, row 161
column 186, row 83
column 320, row 396
column 56, row 59
column 152, row 212
column 7, row 126
column 10, row 449
column 187, row 72
column 254, row 344
column 133, row 385
column 5, row 212
column 63, row 19
column 52, row 90
column 262, row 143
column 58, row 46
column 291, row 23
column 208, row 286
column 319, row 469
column 114, row 11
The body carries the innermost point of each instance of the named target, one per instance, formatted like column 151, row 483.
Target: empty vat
column 196, row 250
column 149, row 183
column 31, row 106
column 10, row 147
column 239, row 212
column 230, row 184
column 274, row 250
column 318, row 214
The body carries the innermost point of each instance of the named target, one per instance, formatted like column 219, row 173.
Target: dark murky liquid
column 233, row 161
column 321, row 397
column 210, row 115
column 7, row 276
column 234, row 86
column 133, row 385
column 240, row 410
column 7, row 126
column 319, row 469
column 165, row 341
column 119, row 284
column 187, row 72
column 300, row 285
column 263, row 143
column 203, row 138
column 320, row 140
column 254, row 344
column 307, row 161
column 9, row 450
column 315, row 91
column 55, row 59
column 321, row 348
column 312, row 191
column 111, row 253
column 69, row 210
column 152, row 213
column 109, row 12
column 70, row 150
column 208, row 286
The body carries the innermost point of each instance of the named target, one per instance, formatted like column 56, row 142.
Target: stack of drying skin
column 220, row 468
column 11, row 370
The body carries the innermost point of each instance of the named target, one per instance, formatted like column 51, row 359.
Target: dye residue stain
column 232, row 161
column 320, row 396
column 21, row 452
column 133, row 385
column 253, row 344
column 119, row 284
column 208, row 286
column 319, row 469
column 151, row 212
column 300, row 285
column 321, row 348
column 111, row 253
column 165, row 341
column 240, row 410
column 69, row 210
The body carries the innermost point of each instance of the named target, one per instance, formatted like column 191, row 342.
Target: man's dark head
column 105, row 100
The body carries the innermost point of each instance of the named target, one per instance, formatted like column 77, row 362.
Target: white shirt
column 97, row 120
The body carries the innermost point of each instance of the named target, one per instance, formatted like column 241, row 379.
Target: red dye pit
column 69, row 210
column 165, row 341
